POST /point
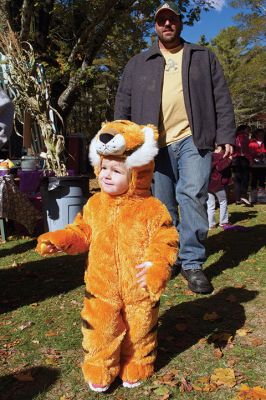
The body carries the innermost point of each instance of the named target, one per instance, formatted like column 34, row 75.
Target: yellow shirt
column 174, row 123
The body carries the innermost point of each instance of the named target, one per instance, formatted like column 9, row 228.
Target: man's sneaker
column 131, row 385
column 197, row 281
column 98, row 388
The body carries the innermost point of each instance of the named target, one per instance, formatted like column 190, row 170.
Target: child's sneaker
column 231, row 227
column 98, row 388
column 130, row 385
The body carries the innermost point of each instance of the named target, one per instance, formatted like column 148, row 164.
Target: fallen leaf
column 247, row 393
column 35, row 341
column 243, row 331
column 212, row 316
column 5, row 323
column 218, row 353
column 11, row 344
column 51, row 333
column 185, row 386
column 166, row 396
column 51, row 360
column 221, row 337
column 256, row 342
column 34, row 305
column 25, row 325
column 223, row 376
column 203, row 340
column 24, row 377
column 231, row 298
column 181, row 327
column 188, row 292
column 239, row 286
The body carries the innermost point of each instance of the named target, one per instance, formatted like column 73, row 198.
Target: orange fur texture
column 119, row 319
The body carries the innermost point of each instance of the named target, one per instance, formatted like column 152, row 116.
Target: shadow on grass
column 226, row 303
column 237, row 216
column 20, row 248
column 237, row 247
column 42, row 379
column 37, row 280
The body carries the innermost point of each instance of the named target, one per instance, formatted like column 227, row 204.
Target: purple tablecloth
column 16, row 205
column 30, row 180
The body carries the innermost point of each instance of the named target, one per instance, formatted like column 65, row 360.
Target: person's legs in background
column 222, row 198
column 211, row 210
column 241, row 180
column 188, row 170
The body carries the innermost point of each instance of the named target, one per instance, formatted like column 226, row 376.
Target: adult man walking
column 180, row 87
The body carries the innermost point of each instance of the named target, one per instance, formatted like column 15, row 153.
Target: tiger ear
column 145, row 153
column 94, row 157
column 104, row 123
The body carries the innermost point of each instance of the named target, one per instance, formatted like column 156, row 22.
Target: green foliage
column 244, row 67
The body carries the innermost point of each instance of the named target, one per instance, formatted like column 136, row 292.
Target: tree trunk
column 94, row 39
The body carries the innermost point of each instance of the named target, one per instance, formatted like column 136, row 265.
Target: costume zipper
column 116, row 250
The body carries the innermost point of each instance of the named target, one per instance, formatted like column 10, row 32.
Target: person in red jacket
column 220, row 177
column 258, row 175
column 242, row 160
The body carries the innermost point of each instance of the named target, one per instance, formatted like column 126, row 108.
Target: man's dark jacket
column 206, row 95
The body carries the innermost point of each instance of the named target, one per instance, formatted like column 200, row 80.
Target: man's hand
column 141, row 276
column 227, row 148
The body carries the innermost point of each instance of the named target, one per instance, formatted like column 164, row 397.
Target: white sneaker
column 131, row 384
column 98, row 388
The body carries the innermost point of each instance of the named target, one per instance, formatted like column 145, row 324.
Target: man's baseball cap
column 168, row 5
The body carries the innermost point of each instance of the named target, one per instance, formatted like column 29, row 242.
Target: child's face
column 114, row 177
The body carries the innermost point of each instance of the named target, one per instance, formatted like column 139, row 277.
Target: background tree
column 84, row 45
column 244, row 66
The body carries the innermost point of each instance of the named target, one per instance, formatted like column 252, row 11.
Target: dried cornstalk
column 32, row 94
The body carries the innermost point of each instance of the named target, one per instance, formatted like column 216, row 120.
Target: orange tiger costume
column 120, row 232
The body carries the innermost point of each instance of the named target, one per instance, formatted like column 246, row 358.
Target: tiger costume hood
column 135, row 144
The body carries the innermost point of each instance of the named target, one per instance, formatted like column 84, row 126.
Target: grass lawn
column 208, row 345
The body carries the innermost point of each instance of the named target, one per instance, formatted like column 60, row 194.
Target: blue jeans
column 181, row 179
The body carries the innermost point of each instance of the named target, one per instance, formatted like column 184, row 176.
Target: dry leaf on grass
column 25, row 325
column 51, row 333
column 223, row 377
column 211, row 316
column 188, row 292
column 243, row 331
column 24, row 377
column 218, row 353
column 185, row 386
column 255, row 342
column 247, row 393
column 221, row 337
column 181, row 327
column 12, row 344
column 231, row 298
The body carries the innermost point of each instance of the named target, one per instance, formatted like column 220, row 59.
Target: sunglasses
column 161, row 19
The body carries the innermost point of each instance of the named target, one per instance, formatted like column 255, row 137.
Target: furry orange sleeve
column 162, row 252
column 74, row 239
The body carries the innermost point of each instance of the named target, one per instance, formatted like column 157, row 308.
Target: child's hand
column 141, row 276
column 47, row 247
